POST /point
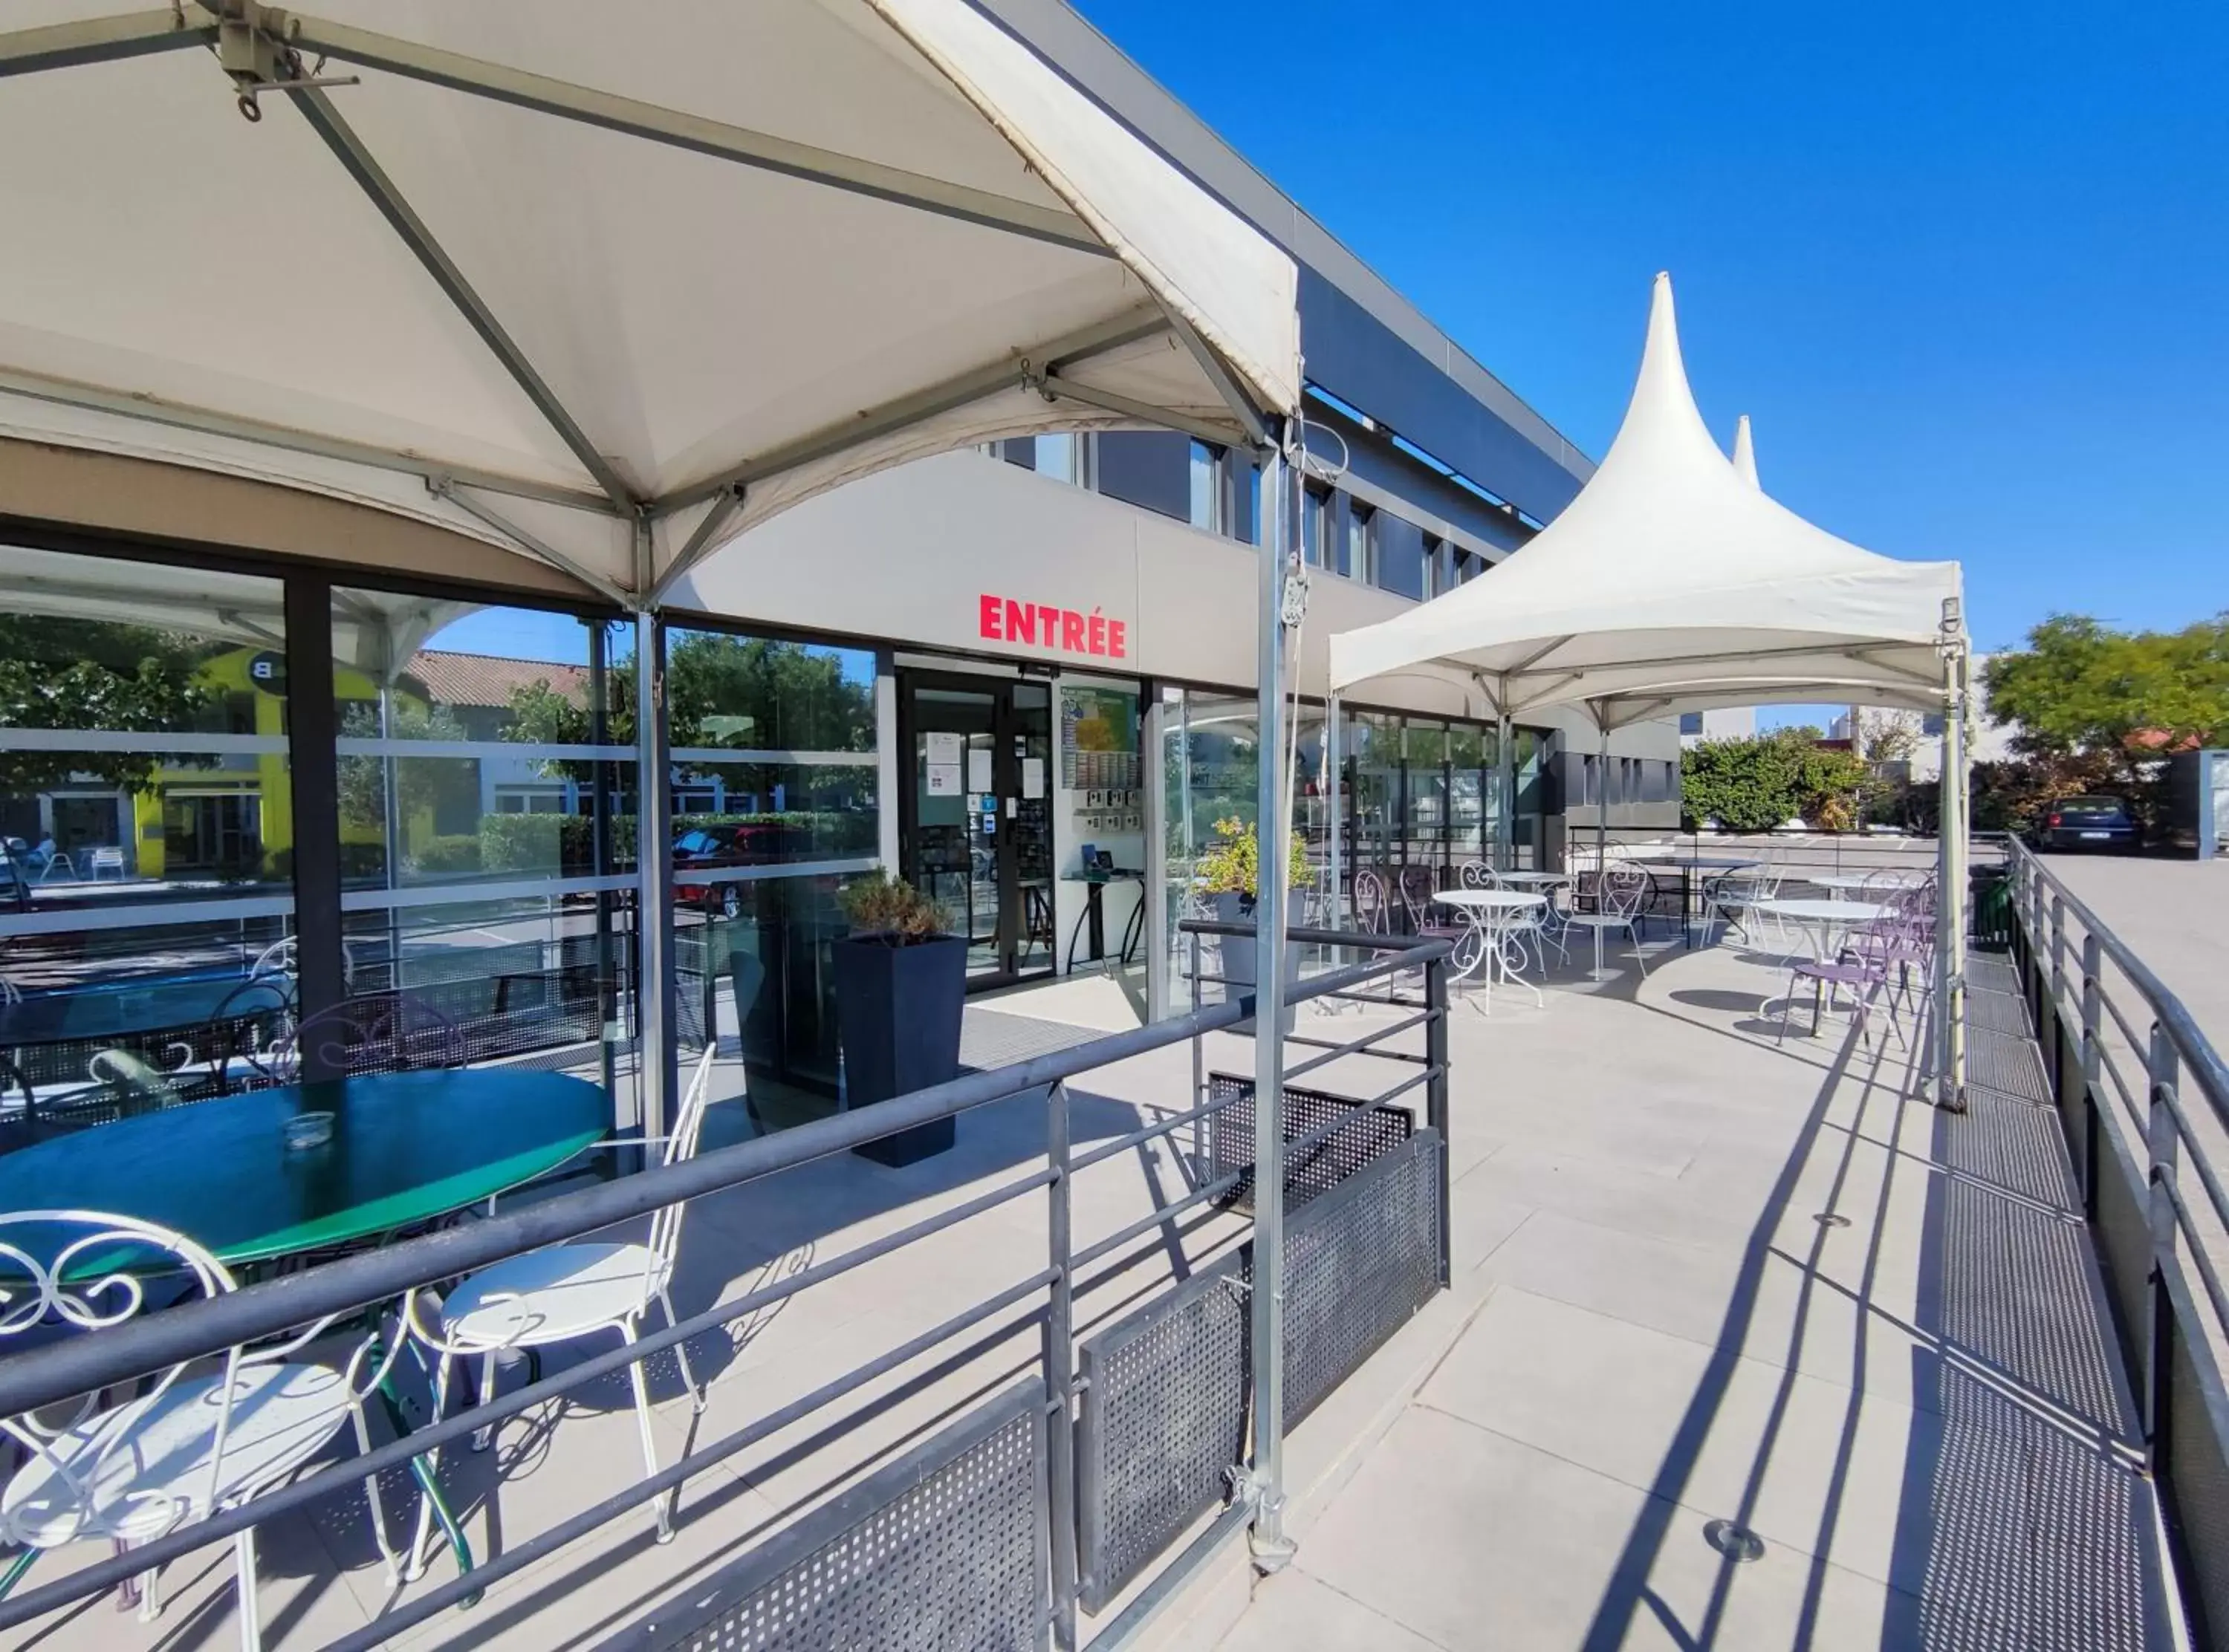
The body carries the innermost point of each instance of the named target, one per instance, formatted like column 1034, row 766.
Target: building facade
column 1022, row 676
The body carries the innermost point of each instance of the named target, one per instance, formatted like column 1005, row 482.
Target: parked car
column 2088, row 823
column 707, row 847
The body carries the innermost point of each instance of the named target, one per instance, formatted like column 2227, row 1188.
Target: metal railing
column 368, row 1283
column 2143, row 1097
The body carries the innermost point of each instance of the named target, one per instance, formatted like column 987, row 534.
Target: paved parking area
column 2175, row 914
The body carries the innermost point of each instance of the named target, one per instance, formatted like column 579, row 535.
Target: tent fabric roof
column 1673, row 583
column 537, row 271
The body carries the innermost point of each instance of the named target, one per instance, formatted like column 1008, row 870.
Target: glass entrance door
column 976, row 826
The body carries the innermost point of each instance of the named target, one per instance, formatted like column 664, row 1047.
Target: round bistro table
column 406, row 1148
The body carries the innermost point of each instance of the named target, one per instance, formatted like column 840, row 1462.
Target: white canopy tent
column 1673, row 583
column 601, row 286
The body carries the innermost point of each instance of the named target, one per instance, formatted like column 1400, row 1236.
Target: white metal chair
column 1729, row 898
column 1620, row 892
column 108, row 858
column 565, row 1292
column 193, row 1439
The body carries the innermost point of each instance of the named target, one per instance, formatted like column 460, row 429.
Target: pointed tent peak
column 1745, row 454
column 1662, row 423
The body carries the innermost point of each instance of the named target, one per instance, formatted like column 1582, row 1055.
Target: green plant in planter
column 883, row 907
column 1231, row 864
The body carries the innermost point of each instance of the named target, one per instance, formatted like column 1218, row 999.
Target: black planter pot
column 1240, row 953
column 898, row 1017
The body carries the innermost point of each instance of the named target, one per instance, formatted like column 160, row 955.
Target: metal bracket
column 1271, row 1555
column 1293, row 608
column 254, row 47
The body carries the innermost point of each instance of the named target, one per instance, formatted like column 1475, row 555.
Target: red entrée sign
column 1004, row 620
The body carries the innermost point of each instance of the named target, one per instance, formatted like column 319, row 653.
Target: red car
column 705, row 848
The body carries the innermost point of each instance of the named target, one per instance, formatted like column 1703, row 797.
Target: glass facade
column 776, row 802
column 185, row 751
column 1408, row 793
column 1425, row 792
column 145, row 806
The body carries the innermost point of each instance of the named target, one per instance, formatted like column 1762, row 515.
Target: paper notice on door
column 1033, row 777
column 944, row 748
column 943, row 779
column 979, row 770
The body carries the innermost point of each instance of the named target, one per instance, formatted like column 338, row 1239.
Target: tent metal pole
column 104, row 39
column 153, row 410
column 361, row 166
column 656, row 1055
column 1334, row 815
column 504, row 83
column 1504, row 756
column 1602, row 806
column 919, row 407
column 1950, row 874
column 1271, row 1547
column 1953, row 903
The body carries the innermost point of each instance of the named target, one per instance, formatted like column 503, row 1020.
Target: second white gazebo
column 1673, row 583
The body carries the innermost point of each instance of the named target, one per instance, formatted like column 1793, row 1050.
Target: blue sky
column 1963, row 267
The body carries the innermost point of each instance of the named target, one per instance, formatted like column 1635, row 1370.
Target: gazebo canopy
column 1671, row 584
column 602, row 284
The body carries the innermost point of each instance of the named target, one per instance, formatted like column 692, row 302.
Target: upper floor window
column 1360, row 557
column 1691, row 722
column 1315, row 527
column 1207, row 501
column 1151, row 469
column 1398, row 563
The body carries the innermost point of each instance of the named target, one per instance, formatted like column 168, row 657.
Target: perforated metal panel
column 1163, row 1417
column 2198, row 1477
column 1163, row 1411
column 944, row 1551
column 1314, row 1169
column 1359, row 1262
column 2007, row 1063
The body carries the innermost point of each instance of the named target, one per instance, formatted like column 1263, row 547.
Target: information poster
column 944, row 779
column 979, row 770
column 944, row 748
column 1098, row 739
column 1033, row 777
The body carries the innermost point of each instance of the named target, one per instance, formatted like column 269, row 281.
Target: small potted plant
column 901, row 983
column 1230, row 872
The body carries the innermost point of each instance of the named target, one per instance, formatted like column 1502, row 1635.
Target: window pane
column 801, row 788
column 1314, row 519
column 1206, row 488
column 1058, row 456
column 1359, row 562
column 147, row 820
column 1400, row 555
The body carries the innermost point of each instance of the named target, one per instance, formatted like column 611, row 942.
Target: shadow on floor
column 2025, row 1523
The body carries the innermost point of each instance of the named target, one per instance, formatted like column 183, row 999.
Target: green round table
column 406, row 1147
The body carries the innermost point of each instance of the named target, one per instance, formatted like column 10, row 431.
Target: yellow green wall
column 230, row 673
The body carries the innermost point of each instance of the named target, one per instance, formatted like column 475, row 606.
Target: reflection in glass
column 144, row 771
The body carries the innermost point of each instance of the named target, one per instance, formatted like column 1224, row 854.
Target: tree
column 2080, row 688
column 2097, row 710
column 421, row 783
column 743, row 692
column 97, row 674
column 1756, row 783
